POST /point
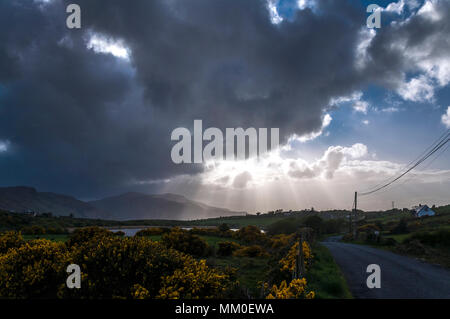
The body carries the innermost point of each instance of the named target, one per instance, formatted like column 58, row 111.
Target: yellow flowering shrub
column 251, row 251
column 288, row 262
column 33, row 270
column 282, row 240
column 10, row 240
column 87, row 234
column 196, row 280
column 139, row 292
column 295, row 290
column 138, row 267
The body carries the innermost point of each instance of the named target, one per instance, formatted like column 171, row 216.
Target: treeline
column 318, row 224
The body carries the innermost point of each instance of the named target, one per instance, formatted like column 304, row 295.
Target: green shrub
column 438, row 238
column 152, row 231
column 251, row 251
column 185, row 241
column 251, row 234
column 284, row 226
column 226, row 248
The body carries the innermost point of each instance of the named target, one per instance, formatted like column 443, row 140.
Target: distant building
column 423, row 210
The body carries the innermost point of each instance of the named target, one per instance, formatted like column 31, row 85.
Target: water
column 129, row 232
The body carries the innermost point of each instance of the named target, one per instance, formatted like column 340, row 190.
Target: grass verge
column 325, row 277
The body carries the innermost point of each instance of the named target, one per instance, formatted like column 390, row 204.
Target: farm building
column 423, row 210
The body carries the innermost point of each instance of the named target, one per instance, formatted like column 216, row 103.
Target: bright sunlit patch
column 4, row 146
column 274, row 166
column 102, row 44
column 273, row 11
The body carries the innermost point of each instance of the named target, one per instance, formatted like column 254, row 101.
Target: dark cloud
column 88, row 123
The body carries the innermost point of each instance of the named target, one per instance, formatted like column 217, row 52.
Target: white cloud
column 430, row 11
column 4, row 145
column 418, row 89
column 275, row 18
column 102, row 44
column 303, row 4
column 361, row 106
column 395, row 7
column 365, row 38
column 446, row 118
column 365, row 122
column 279, row 180
column 355, row 96
column 390, row 109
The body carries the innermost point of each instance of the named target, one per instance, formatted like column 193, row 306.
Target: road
column 401, row 277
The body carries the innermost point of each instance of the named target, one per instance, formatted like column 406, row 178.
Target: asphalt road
column 401, row 277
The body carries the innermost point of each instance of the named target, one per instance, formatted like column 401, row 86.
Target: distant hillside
column 26, row 199
column 123, row 207
column 164, row 206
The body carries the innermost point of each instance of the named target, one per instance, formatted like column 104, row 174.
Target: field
column 426, row 238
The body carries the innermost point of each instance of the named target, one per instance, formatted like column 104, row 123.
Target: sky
column 89, row 112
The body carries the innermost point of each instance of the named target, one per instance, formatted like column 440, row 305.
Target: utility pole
column 355, row 210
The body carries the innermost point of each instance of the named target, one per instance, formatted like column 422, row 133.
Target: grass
column 250, row 271
column 56, row 238
column 210, row 240
column 325, row 277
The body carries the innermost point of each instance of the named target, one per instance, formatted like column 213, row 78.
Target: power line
column 442, row 136
column 434, row 148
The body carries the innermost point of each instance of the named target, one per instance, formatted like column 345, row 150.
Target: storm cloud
column 87, row 123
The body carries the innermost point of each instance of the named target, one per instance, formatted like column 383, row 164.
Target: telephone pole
column 355, row 210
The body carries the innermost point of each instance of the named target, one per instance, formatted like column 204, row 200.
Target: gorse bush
column 111, row 267
column 295, row 290
column 186, row 242
column 251, row 251
column 195, row 280
column 87, row 234
column 289, row 261
column 36, row 269
column 10, row 240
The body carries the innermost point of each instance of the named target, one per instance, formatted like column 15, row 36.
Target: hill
column 27, row 199
column 161, row 206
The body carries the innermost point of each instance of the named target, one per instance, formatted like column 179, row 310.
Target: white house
column 423, row 210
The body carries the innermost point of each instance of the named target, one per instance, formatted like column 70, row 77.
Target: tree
column 315, row 222
column 224, row 227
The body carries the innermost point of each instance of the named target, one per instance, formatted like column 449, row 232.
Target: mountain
column 161, row 206
column 27, row 199
column 123, row 207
